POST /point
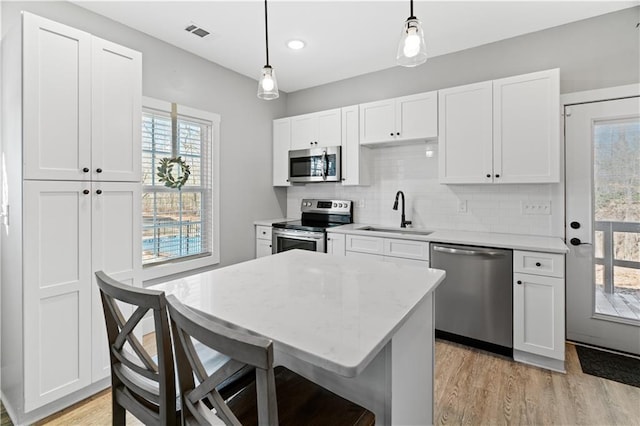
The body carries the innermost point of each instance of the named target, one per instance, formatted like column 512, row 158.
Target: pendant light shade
column 267, row 85
column 412, row 50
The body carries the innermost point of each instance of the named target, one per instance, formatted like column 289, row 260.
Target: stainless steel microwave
column 315, row 165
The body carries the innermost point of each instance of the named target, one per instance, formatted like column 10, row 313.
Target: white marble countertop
column 334, row 312
column 269, row 222
column 487, row 239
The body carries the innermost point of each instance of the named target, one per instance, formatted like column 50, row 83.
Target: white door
column 417, row 116
column 56, row 100
column 465, row 141
column 57, row 290
column 116, row 112
column 116, row 249
column 526, row 128
column 378, row 121
column 603, row 223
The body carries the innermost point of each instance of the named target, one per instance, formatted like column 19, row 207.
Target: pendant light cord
column 410, row 7
column 266, row 30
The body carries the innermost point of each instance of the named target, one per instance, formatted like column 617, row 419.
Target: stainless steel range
column 310, row 232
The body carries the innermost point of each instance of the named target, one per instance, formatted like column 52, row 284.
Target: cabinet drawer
column 356, row 255
column 404, row 261
column 365, row 244
column 529, row 262
column 407, row 249
column 263, row 232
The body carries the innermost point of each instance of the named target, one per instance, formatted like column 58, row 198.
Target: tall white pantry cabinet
column 71, row 199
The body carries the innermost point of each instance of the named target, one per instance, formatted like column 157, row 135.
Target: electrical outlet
column 536, row 207
column 462, row 206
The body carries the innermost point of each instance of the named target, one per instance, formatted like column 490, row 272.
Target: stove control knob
column 335, row 204
column 339, row 204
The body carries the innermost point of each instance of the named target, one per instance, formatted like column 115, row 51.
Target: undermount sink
column 410, row 231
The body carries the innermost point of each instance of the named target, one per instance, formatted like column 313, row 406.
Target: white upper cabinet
column 501, row 131
column 82, row 105
column 116, row 112
column 281, row 146
column 526, row 128
column 315, row 130
column 466, row 135
column 355, row 158
column 407, row 118
column 56, row 100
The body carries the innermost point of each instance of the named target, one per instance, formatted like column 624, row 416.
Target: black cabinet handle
column 391, row 134
column 99, row 191
column 98, row 170
column 575, row 225
column 398, row 134
column 86, row 170
column 519, row 282
column 538, row 264
column 497, row 176
column 85, row 192
column 488, row 175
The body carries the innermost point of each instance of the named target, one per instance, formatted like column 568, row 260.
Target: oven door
column 315, row 165
column 290, row 239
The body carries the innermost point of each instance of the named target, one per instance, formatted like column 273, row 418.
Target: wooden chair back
column 242, row 349
column 139, row 385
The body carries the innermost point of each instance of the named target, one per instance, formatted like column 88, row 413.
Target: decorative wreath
column 165, row 175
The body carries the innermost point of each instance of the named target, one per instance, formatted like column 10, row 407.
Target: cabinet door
column 364, row 244
column 526, row 122
column 116, row 249
column 538, row 315
column 263, row 248
column 377, row 121
column 116, row 112
column 417, row 116
column 465, row 134
column 336, row 244
column 57, row 290
column 56, row 100
column 304, row 131
column 355, row 167
column 281, row 146
column 358, row 255
column 329, row 128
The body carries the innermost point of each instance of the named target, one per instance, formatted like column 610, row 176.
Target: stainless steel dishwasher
column 474, row 304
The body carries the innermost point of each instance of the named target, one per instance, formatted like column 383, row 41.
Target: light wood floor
column 474, row 387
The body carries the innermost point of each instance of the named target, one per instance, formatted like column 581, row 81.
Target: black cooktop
column 306, row 225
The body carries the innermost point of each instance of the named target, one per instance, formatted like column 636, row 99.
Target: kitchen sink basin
column 406, row 231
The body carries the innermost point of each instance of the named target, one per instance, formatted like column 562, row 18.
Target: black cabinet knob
column 99, row 191
column 497, row 176
column 575, row 241
column 575, row 225
column 98, row 170
column 85, row 192
column 397, row 133
column 488, row 175
column 538, row 264
column 519, row 282
column 391, row 134
column 86, row 170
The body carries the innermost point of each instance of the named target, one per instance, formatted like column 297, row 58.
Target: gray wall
column 174, row 75
column 594, row 53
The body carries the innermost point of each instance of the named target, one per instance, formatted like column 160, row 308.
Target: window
column 179, row 230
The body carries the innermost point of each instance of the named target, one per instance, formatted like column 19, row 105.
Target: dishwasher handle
column 467, row 252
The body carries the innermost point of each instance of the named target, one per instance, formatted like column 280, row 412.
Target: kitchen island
column 361, row 328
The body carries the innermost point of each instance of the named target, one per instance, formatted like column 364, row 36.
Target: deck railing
column 609, row 260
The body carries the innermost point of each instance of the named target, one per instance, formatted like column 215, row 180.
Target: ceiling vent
column 194, row 29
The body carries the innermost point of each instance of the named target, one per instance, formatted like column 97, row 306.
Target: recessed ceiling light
column 296, row 44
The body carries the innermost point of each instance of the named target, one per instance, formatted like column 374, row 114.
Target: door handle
column 576, row 242
column 324, row 165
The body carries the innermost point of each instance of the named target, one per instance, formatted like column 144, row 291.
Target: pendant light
column 412, row 50
column 268, row 85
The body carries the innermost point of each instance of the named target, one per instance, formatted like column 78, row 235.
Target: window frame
column 158, row 272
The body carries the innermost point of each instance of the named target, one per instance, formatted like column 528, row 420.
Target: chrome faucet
column 403, row 223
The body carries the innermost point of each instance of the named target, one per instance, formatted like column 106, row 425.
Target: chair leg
column 118, row 413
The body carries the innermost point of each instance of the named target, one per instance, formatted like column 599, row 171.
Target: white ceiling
column 344, row 38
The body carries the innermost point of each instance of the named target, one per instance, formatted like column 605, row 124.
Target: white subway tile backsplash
column 490, row 208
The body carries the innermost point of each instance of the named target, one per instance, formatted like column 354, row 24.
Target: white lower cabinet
column 539, row 310
column 263, row 241
column 336, row 244
column 71, row 230
column 394, row 250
